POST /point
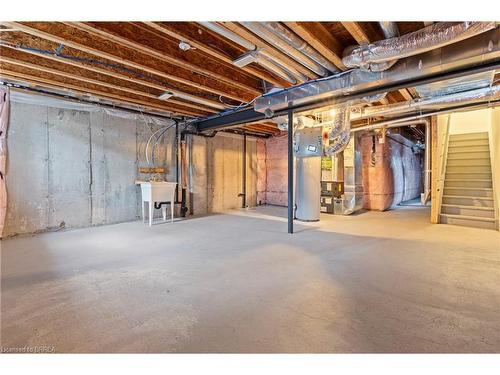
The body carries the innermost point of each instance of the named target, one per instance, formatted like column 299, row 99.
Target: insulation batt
column 4, row 121
column 396, row 175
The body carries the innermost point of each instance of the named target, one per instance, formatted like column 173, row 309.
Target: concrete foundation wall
column 218, row 173
column 391, row 175
column 70, row 169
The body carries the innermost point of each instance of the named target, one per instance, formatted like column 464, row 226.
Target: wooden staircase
column 468, row 197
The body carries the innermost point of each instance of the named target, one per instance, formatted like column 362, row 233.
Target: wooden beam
column 83, row 78
column 91, row 68
column 357, row 32
column 275, row 53
column 406, row 94
column 112, row 57
column 15, row 75
column 172, row 32
column 115, row 37
column 319, row 38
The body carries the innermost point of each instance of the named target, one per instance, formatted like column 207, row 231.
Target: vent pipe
column 389, row 29
column 259, row 29
column 431, row 37
column 296, row 42
column 259, row 56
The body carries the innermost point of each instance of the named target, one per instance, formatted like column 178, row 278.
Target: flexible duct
column 261, row 56
column 480, row 49
column 296, row 42
column 429, row 38
column 421, row 104
column 340, row 131
column 260, row 30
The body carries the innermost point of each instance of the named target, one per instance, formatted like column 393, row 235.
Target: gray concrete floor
column 237, row 282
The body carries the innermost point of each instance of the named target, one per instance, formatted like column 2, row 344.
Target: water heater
column 308, row 151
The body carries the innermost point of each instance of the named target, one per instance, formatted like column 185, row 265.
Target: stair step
column 467, row 148
column 469, row 192
column 468, row 221
column 469, row 143
column 455, row 209
column 469, row 155
column 468, row 136
column 467, row 162
column 468, row 183
column 464, row 200
column 468, row 168
column 468, row 176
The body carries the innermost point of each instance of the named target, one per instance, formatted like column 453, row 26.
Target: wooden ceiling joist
column 101, row 82
column 275, row 53
column 104, row 94
column 125, row 35
column 318, row 37
column 56, row 66
column 188, row 36
column 79, row 40
column 79, row 65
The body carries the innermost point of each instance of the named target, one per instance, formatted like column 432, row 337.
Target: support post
column 290, row 171
column 244, row 187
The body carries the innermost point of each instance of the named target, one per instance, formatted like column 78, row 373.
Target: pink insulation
column 272, row 171
column 392, row 175
column 4, row 122
column 261, row 171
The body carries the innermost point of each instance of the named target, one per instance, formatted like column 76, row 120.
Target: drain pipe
column 243, row 193
column 184, row 172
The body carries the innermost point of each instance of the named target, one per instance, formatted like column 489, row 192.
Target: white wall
column 470, row 122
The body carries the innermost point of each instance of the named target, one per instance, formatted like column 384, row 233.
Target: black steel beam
column 247, row 114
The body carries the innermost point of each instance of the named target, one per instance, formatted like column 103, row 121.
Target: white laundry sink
column 157, row 191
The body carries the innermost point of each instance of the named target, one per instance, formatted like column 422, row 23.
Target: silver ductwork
column 263, row 32
column 430, row 103
column 296, row 42
column 454, row 85
column 389, row 29
column 431, row 37
column 259, row 56
column 339, row 131
column 480, row 49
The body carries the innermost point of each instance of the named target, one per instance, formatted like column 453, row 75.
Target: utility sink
column 157, row 192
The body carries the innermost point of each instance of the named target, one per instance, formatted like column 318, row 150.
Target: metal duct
column 339, row 131
column 389, row 29
column 477, row 50
column 429, row 38
column 261, row 57
column 228, row 34
column 451, row 86
column 430, row 103
column 296, row 42
column 258, row 29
